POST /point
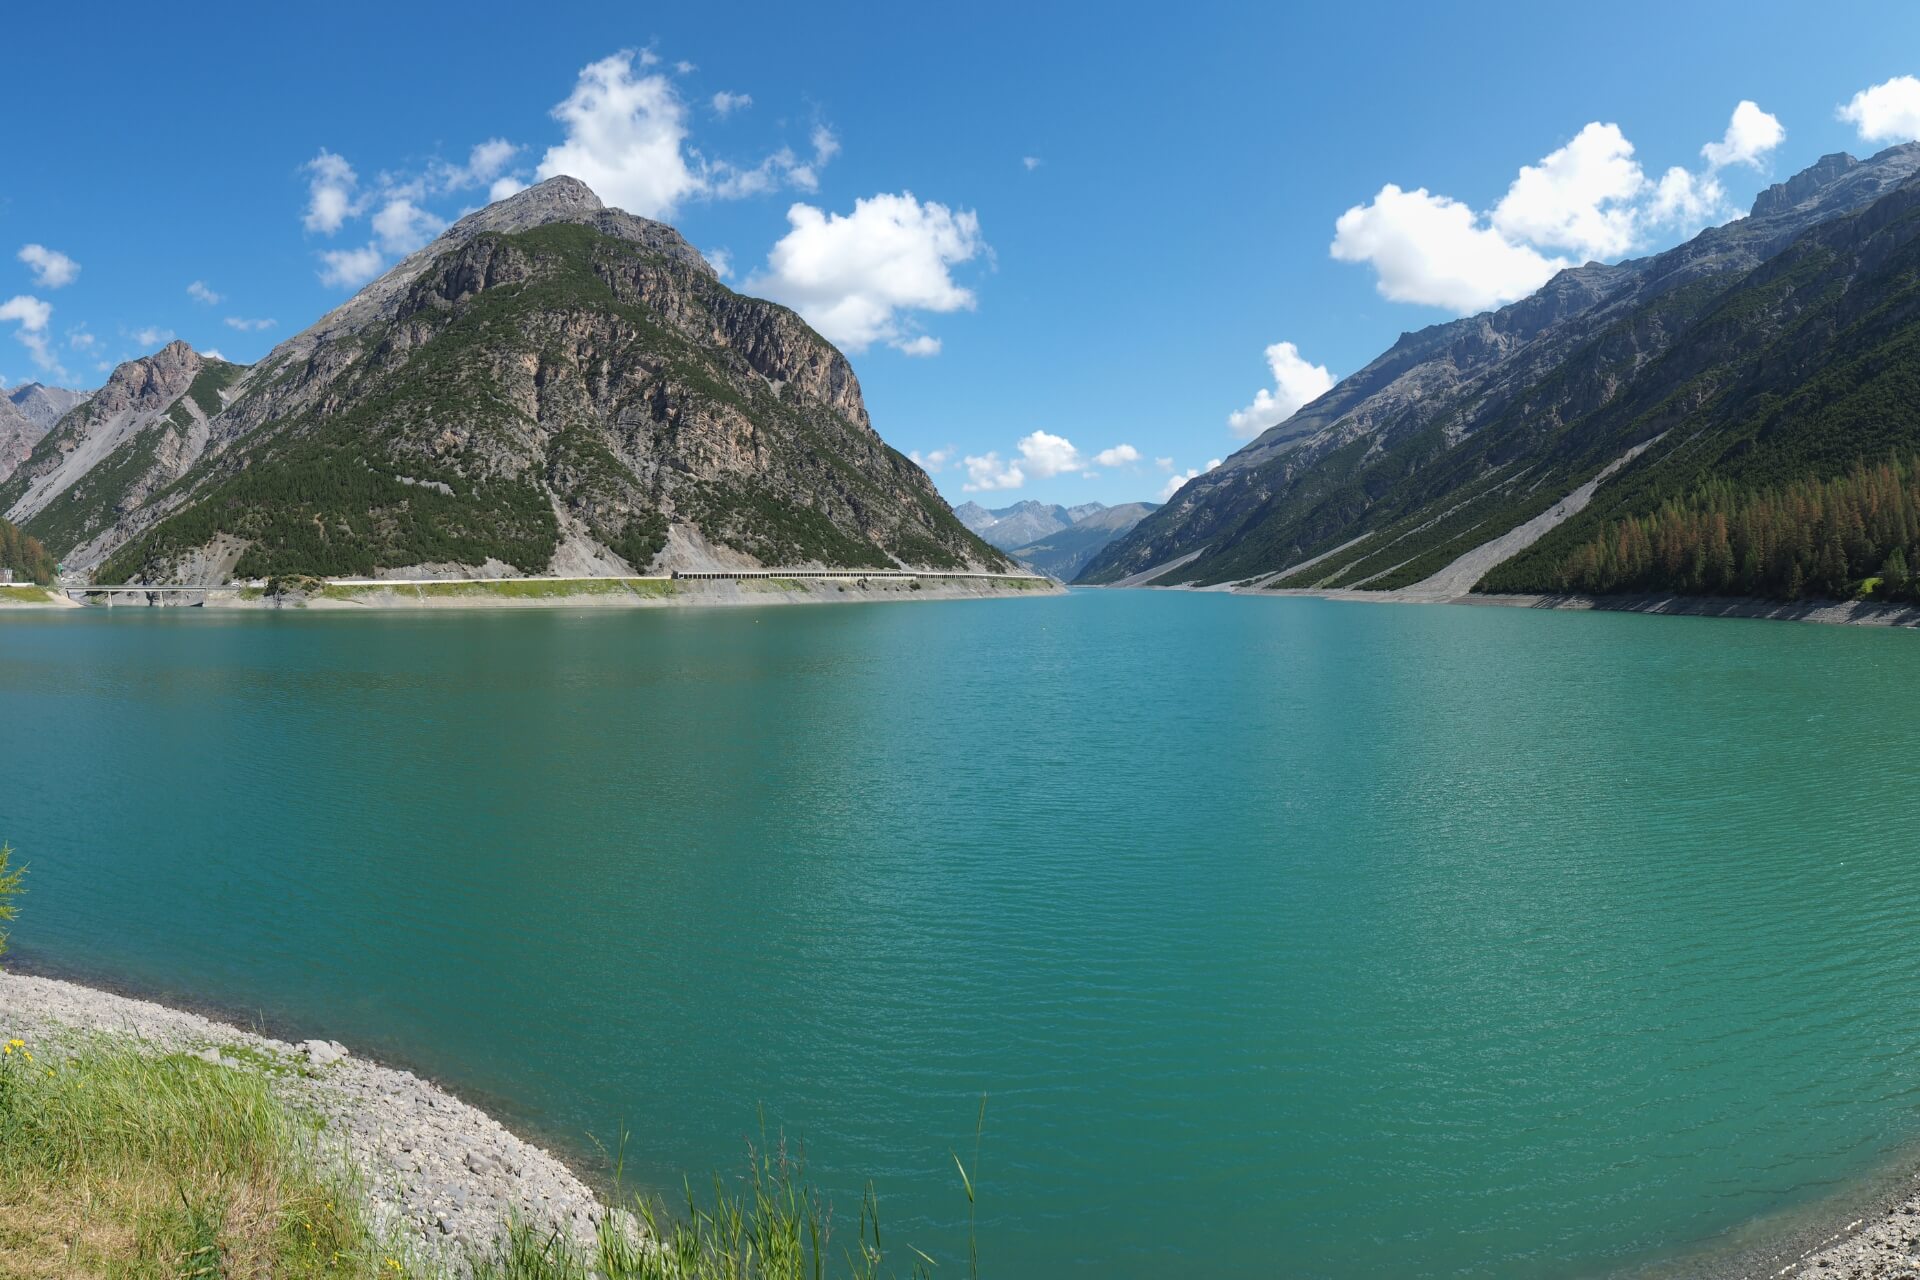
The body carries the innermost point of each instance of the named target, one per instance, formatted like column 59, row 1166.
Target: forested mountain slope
column 1468, row 429
column 552, row 386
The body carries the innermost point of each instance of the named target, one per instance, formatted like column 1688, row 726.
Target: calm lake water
column 1284, row 936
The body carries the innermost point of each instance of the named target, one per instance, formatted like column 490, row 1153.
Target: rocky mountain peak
column 43, row 405
column 151, row 382
column 1782, row 196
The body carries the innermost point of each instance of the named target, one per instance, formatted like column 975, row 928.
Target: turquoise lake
column 1284, row 937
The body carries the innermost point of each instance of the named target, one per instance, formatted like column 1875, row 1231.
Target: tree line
column 1852, row 535
column 24, row 555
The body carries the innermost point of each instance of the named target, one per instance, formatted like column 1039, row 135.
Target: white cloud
column 851, row 275
column 1043, row 455
column 350, row 268
column 402, row 226
column 1296, row 382
column 988, row 472
column 213, row 353
column 199, row 292
column 153, row 336
column 330, row 198
column 825, row 145
column 684, row 67
column 31, row 315
column 1887, row 112
column 1174, row 481
column 1685, row 200
column 720, row 260
column 51, row 268
column 934, row 461
column 1048, row 455
column 924, row 345
column 725, row 104
column 1578, row 197
column 1031, row 162
column 1165, row 464
column 80, row 340
column 249, row 326
column 504, row 187
column 1751, row 134
column 624, row 136
column 1434, row 250
column 1588, row 199
column 485, row 163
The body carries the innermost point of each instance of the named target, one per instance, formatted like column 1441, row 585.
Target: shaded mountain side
column 1792, row 473
column 1389, row 454
column 551, row 386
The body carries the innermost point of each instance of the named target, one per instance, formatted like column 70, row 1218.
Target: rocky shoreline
column 439, row 1174
column 1852, row 613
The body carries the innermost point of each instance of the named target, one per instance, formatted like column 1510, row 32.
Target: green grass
column 28, row 594
column 119, row 1161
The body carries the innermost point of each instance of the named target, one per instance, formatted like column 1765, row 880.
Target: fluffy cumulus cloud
column 153, row 336
column 625, row 132
column 200, row 292
column 1585, row 200
column 245, row 325
column 856, row 276
column 1174, row 481
column 1296, row 381
column 934, row 461
column 51, row 269
column 1043, row 455
column 1578, row 198
column 1886, row 112
column 30, row 316
column 331, row 199
column 987, row 472
column 1751, row 136
column 1436, row 251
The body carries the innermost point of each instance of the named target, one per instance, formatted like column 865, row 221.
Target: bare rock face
column 113, row 450
column 550, row 384
column 18, row 435
column 44, row 405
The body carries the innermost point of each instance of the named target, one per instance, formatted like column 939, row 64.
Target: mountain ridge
column 550, row 386
column 1313, row 481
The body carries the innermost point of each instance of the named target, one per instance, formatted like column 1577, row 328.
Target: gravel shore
column 437, row 1172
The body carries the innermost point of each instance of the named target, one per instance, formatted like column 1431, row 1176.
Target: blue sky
column 1062, row 243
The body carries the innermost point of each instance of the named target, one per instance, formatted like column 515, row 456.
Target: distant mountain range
column 1566, row 441
column 551, row 386
column 1053, row 539
column 26, row 414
